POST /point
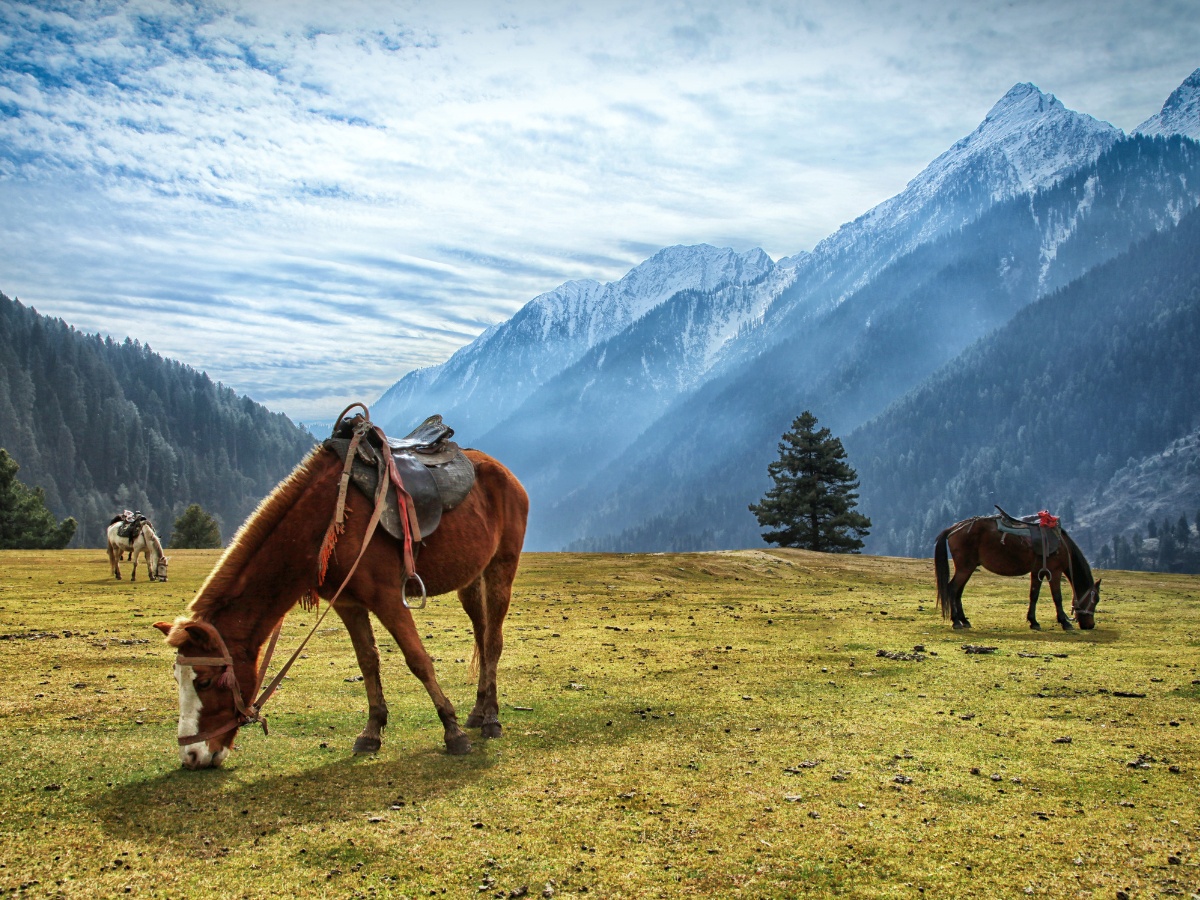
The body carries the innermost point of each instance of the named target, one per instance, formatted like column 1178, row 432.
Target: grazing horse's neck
column 272, row 562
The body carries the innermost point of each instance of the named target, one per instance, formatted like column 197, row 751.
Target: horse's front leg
column 397, row 619
column 1035, row 588
column 1056, row 592
column 358, row 623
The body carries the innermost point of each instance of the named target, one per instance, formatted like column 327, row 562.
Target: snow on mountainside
column 600, row 403
column 1027, row 141
column 1180, row 114
column 486, row 380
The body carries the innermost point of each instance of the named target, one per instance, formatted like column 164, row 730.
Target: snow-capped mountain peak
column 1180, row 114
column 493, row 374
column 1033, row 132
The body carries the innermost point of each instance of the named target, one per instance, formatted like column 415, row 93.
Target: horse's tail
column 473, row 666
column 941, row 566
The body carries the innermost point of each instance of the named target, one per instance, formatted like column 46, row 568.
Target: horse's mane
column 154, row 534
column 215, row 592
column 1080, row 569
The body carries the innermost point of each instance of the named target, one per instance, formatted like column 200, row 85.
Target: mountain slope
column 1027, row 142
column 490, row 377
column 1180, row 114
column 590, row 412
column 883, row 340
column 103, row 426
column 1043, row 413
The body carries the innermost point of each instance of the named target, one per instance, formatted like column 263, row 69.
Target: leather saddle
column 1028, row 527
column 434, row 470
column 131, row 529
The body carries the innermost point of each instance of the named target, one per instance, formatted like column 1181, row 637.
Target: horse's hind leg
column 962, row 574
column 472, row 599
column 1056, row 592
column 358, row 623
column 497, row 585
column 1035, row 587
column 114, row 561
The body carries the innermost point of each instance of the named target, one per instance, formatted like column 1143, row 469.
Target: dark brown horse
column 979, row 542
column 274, row 561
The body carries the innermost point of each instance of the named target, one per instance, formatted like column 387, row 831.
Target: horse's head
column 211, row 705
column 1085, row 607
column 159, row 572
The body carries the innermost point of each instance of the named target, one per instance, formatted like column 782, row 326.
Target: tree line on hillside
column 100, row 425
column 1042, row 413
column 1168, row 546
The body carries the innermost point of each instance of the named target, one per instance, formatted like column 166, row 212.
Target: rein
column 253, row 712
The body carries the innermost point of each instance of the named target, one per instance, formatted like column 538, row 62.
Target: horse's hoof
column 474, row 720
column 959, row 626
column 1035, row 626
column 1067, row 626
column 492, row 730
column 458, row 746
column 366, row 744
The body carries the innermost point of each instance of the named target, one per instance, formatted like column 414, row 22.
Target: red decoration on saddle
column 1046, row 520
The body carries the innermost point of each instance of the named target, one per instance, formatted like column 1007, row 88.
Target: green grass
column 704, row 724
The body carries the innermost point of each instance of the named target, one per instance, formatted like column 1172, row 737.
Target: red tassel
column 226, row 679
column 327, row 546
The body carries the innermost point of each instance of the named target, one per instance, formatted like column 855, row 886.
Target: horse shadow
column 166, row 808
column 169, row 806
column 1097, row 635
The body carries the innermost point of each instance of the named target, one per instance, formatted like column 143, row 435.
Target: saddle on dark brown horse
column 1044, row 538
column 435, row 472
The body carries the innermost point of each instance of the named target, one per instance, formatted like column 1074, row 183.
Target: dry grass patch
column 698, row 724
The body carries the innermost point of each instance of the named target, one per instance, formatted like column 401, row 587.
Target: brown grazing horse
column 274, row 560
column 978, row 542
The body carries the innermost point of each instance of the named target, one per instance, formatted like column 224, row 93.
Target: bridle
column 252, row 713
column 1086, row 604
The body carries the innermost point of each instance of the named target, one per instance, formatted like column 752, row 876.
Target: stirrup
column 404, row 592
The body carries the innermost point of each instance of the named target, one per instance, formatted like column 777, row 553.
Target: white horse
column 145, row 542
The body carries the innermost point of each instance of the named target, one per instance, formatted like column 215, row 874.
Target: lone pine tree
column 195, row 530
column 812, row 503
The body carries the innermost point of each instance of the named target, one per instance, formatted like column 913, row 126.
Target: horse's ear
column 1098, row 580
column 164, row 627
column 200, row 634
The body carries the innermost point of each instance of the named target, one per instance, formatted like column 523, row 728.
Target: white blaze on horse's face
column 197, row 755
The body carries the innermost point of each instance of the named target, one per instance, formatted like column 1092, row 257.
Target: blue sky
column 309, row 199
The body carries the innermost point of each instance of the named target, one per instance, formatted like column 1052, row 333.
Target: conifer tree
column 812, row 503
column 195, row 530
column 25, row 522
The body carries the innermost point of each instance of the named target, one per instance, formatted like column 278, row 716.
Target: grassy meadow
column 715, row 724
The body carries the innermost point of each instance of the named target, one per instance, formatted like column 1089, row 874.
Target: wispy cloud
column 309, row 199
